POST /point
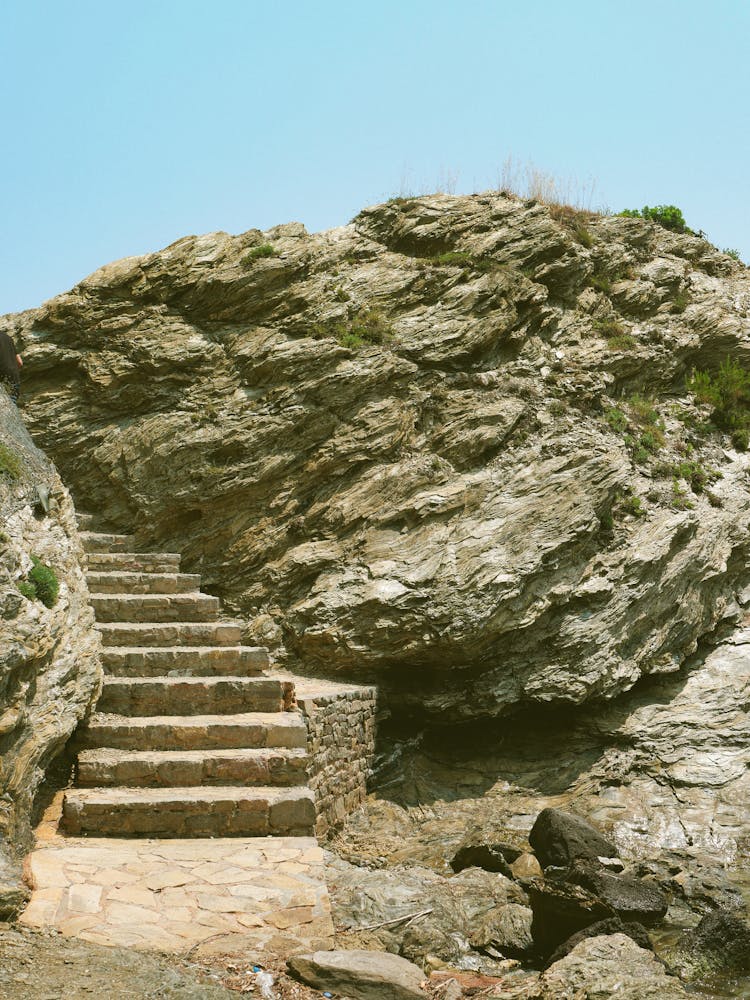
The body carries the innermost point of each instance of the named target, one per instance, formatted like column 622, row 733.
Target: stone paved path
column 225, row 896
column 190, row 826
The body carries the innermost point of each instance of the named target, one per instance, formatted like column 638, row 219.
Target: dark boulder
column 631, row 898
column 613, row 925
column 719, row 944
column 559, row 838
column 561, row 910
column 490, row 857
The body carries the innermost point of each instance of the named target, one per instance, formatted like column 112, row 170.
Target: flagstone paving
column 230, row 895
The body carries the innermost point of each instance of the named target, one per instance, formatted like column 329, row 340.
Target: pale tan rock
column 49, row 657
column 429, row 503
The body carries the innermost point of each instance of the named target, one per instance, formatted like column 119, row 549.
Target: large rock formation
column 49, row 664
column 409, row 449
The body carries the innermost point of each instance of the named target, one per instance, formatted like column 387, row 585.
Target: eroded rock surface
column 455, row 510
column 49, row 663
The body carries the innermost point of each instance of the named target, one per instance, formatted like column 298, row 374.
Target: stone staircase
column 191, row 737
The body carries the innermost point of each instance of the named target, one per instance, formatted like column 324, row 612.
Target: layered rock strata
column 49, row 656
column 414, row 448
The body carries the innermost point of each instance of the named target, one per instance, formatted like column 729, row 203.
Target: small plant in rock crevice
column 367, row 326
column 258, row 253
column 728, row 392
column 10, row 463
column 41, row 583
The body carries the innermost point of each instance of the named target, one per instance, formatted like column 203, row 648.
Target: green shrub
column 643, row 411
column 341, row 295
column 681, row 301
column 694, row 474
column 27, row 589
column 616, row 419
column 621, row 343
column 368, row 326
column 668, row 216
column 583, row 236
column 609, row 328
column 257, row 253
column 734, row 254
column 601, row 283
column 44, row 580
column 740, row 439
column 728, row 392
column 461, row 258
column 10, row 463
column 679, row 497
column 632, row 505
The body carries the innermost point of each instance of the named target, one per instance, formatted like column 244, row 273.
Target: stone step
column 184, row 661
column 195, row 732
column 190, row 812
column 194, row 695
column 142, row 583
column 162, row 608
column 134, row 562
column 97, row 541
column 186, row 768
column 85, row 521
column 170, row 633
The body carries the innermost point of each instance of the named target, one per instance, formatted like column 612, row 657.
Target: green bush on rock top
column 668, row 216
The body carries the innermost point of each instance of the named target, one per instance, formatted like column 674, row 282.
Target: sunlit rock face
column 49, row 656
column 407, row 449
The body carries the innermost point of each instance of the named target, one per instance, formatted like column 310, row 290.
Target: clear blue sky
column 126, row 125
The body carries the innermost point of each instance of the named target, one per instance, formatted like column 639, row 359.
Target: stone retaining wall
column 341, row 743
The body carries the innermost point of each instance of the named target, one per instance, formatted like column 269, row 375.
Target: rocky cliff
column 49, row 666
column 447, row 447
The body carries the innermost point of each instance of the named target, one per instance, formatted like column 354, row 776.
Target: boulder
column 632, row 899
column 361, row 975
column 561, row 910
column 525, row 866
column 401, row 450
column 489, row 856
column 609, row 966
column 560, row 838
column 719, row 944
column 611, row 926
column 505, row 929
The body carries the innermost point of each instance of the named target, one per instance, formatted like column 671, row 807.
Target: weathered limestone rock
column 361, row 975
column 611, row 966
column 392, row 447
column 49, row 657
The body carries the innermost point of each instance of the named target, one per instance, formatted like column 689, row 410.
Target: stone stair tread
column 195, row 732
column 199, row 793
column 147, row 608
column 276, row 766
column 182, row 661
column 224, row 810
column 101, row 541
column 291, row 719
column 167, row 681
column 142, row 696
column 131, row 582
column 216, row 633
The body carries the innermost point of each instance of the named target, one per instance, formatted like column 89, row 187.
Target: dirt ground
column 47, row 966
